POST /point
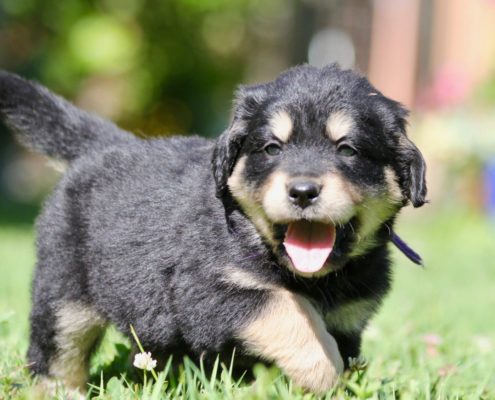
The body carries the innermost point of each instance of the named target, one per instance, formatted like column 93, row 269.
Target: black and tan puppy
column 272, row 239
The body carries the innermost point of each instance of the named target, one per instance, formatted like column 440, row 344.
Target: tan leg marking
column 48, row 388
column 290, row 332
column 245, row 279
column 338, row 125
column 78, row 327
column 351, row 317
column 281, row 125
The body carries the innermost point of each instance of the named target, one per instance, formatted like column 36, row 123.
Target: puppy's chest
column 344, row 313
column 349, row 317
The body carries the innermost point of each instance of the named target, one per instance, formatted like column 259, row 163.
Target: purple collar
column 405, row 249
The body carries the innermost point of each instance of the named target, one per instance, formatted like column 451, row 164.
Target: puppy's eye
column 273, row 149
column 346, row 150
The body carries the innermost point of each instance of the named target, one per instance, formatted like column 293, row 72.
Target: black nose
column 304, row 193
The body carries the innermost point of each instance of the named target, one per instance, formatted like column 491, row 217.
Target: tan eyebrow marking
column 281, row 125
column 339, row 125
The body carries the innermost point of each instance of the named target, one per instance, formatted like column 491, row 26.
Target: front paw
column 317, row 370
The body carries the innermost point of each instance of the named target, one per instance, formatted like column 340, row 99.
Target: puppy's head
column 319, row 161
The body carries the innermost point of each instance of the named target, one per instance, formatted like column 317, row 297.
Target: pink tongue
column 309, row 244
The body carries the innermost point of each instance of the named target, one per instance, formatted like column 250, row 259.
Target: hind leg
column 62, row 340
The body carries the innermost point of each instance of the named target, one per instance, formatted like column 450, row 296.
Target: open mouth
column 309, row 244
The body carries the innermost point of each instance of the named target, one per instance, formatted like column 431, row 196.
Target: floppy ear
column 414, row 170
column 228, row 146
column 225, row 154
column 412, row 167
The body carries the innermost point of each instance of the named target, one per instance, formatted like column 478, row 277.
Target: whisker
column 352, row 227
column 389, row 230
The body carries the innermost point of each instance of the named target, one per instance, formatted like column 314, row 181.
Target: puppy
column 271, row 239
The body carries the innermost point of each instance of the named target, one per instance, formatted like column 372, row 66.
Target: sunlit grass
column 433, row 338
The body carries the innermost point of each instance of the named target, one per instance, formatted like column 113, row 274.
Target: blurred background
column 170, row 67
column 162, row 67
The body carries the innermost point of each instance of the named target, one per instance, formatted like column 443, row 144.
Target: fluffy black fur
column 142, row 231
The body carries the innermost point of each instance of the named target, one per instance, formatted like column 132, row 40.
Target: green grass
column 433, row 338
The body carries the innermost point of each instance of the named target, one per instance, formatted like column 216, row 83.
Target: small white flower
column 144, row 361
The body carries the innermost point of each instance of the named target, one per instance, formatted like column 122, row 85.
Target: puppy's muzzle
column 303, row 193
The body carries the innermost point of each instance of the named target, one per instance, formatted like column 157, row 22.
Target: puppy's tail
column 51, row 125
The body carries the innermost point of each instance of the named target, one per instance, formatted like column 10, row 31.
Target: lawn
column 434, row 337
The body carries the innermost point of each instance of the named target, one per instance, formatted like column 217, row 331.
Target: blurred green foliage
column 160, row 66
column 486, row 91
